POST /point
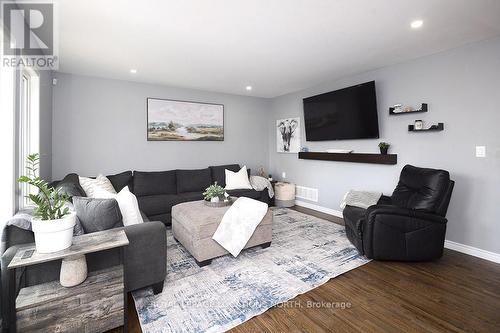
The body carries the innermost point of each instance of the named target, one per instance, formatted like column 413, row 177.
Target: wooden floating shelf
column 433, row 128
column 423, row 108
column 350, row 157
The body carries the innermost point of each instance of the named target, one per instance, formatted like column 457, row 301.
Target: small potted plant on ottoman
column 52, row 221
column 384, row 147
column 215, row 195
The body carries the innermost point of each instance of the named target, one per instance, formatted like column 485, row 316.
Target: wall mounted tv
column 349, row 113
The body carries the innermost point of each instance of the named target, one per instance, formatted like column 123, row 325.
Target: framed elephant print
column 288, row 135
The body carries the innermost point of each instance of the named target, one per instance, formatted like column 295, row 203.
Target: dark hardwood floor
column 457, row 293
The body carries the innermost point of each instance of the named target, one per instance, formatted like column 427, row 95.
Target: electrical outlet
column 283, row 175
column 480, row 151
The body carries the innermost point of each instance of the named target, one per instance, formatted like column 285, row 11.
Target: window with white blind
column 29, row 124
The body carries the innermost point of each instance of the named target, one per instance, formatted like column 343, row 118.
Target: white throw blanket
column 361, row 199
column 239, row 223
column 260, row 183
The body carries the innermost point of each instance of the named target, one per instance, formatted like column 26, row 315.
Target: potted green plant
column 214, row 193
column 52, row 221
column 384, row 147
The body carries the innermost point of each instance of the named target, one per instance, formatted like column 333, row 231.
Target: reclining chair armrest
column 146, row 254
column 374, row 210
column 391, row 233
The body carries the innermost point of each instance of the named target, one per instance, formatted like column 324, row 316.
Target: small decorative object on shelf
column 270, row 177
column 261, row 172
column 436, row 128
column 400, row 109
column 419, row 125
column 384, row 147
column 304, row 149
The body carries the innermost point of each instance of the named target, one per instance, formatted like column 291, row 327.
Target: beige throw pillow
column 89, row 184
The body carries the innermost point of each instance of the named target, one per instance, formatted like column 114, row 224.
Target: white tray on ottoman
column 194, row 223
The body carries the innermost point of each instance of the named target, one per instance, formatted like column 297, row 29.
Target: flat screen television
column 349, row 113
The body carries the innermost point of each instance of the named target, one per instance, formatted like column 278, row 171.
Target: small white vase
column 214, row 199
column 73, row 271
column 53, row 235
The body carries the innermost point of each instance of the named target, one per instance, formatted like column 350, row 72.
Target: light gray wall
column 99, row 126
column 462, row 89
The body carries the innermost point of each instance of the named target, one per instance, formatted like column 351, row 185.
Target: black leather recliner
column 408, row 226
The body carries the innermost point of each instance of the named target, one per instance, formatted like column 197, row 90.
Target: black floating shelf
column 423, row 108
column 433, row 128
column 350, row 157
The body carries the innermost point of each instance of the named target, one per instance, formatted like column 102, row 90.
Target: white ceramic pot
column 214, row 199
column 53, row 235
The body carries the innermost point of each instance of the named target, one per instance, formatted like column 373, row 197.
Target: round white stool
column 284, row 194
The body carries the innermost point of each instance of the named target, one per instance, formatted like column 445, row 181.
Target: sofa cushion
column 152, row 183
column 97, row 214
column 218, row 173
column 253, row 194
column 193, row 180
column 191, row 196
column 120, row 180
column 158, row 204
column 421, row 188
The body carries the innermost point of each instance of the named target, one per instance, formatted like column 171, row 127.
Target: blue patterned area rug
column 306, row 252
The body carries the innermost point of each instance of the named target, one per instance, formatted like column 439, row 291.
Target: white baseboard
column 322, row 209
column 473, row 251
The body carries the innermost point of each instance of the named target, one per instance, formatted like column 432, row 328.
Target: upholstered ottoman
column 193, row 225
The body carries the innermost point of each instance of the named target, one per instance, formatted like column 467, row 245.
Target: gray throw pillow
column 71, row 186
column 97, row 214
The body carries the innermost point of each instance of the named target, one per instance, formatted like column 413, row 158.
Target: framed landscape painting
column 171, row 120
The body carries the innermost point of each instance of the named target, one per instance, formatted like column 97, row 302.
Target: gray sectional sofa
column 157, row 193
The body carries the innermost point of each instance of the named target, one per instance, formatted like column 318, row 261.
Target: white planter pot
column 214, row 199
column 53, row 235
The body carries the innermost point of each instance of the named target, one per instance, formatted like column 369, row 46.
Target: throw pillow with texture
column 89, row 184
column 129, row 207
column 97, row 214
column 237, row 180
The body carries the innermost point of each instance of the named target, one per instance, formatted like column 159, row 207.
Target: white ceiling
column 277, row 46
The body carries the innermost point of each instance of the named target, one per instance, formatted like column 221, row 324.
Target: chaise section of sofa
column 146, row 257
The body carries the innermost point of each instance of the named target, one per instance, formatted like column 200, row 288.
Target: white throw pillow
column 237, row 180
column 89, row 184
column 129, row 207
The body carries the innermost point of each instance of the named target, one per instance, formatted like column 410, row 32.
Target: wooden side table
column 97, row 305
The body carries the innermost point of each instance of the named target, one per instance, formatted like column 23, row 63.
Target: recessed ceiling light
column 416, row 24
column 133, row 71
column 248, row 88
